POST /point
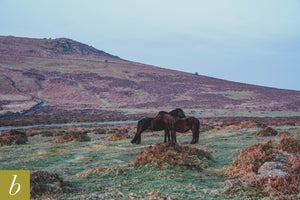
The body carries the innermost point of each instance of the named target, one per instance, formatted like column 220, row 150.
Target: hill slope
column 61, row 80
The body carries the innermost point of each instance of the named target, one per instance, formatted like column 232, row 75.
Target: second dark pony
column 181, row 125
column 155, row 125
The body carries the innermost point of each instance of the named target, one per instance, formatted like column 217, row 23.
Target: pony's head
column 178, row 112
column 160, row 115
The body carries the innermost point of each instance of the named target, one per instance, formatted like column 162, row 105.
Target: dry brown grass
column 178, row 155
column 289, row 144
column 11, row 137
column 268, row 131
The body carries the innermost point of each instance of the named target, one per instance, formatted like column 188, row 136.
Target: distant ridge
column 61, row 81
column 48, row 48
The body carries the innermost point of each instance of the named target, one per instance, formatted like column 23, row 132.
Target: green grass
column 122, row 181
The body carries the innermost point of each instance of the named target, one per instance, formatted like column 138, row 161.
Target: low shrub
column 250, row 124
column 119, row 135
column 12, row 137
column 45, row 182
column 258, row 166
column 284, row 134
column 251, row 159
column 289, row 144
column 294, row 161
column 268, row 131
column 72, row 137
column 162, row 154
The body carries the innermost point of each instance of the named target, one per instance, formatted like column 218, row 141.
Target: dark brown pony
column 155, row 125
column 181, row 125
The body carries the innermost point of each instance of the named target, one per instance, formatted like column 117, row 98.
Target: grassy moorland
column 102, row 167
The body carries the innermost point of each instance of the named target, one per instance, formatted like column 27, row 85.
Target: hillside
column 61, row 80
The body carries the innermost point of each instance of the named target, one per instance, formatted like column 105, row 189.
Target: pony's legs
column 167, row 134
column 195, row 131
column 173, row 136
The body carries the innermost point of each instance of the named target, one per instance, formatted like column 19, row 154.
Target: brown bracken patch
column 11, row 137
column 289, row 144
column 119, row 135
column 72, row 137
column 284, row 134
column 268, row 131
column 250, row 124
column 45, row 182
column 162, row 154
column 251, row 159
column 259, row 166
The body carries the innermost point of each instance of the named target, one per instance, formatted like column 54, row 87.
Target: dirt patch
column 45, row 182
column 12, row 137
column 164, row 155
column 72, row 137
column 268, row 131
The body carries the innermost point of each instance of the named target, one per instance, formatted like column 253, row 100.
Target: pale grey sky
column 249, row 41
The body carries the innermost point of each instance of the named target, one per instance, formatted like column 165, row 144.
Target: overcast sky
column 249, row 41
